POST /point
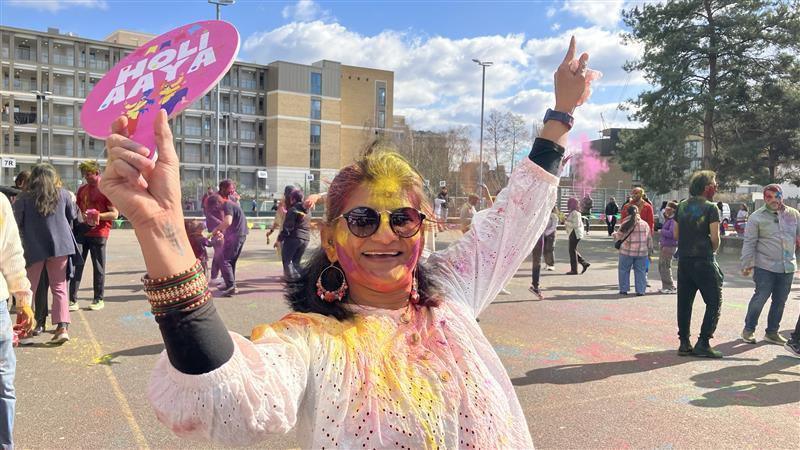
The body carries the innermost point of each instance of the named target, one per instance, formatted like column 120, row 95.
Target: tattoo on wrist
column 171, row 234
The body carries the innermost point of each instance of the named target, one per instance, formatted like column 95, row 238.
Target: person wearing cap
column 771, row 238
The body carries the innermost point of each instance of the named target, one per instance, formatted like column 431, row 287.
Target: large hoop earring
column 335, row 295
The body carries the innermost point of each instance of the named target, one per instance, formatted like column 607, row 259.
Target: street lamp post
column 218, row 3
column 40, row 98
column 484, row 65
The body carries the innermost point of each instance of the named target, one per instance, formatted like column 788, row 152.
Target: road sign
column 309, row 177
column 262, row 174
column 9, row 163
column 443, row 183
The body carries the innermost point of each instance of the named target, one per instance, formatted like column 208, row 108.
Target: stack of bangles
column 183, row 292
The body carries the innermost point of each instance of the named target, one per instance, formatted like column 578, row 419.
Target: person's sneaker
column 623, row 293
column 505, row 291
column 667, row 290
column 550, row 268
column 537, row 292
column 73, row 306
column 793, row 347
column 97, row 305
column 228, row 292
column 585, row 268
column 685, row 348
column 748, row 336
column 703, row 349
column 37, row 330
column 640, row 294
column 775, row 338
column 61, row 336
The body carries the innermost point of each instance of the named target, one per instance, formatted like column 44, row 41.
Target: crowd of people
column 390, row 328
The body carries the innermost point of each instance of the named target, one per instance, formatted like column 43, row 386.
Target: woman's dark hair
column 296, row 196
column 21, row 180
column 633, row 217
column 375, row 166
column 44, row 187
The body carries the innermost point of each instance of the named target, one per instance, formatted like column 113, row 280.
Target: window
column 316, row 83
column 381, row 96
column 315, row 158
column 316, row 130
column 191, row 153
column 381, row 119
column 316, row 108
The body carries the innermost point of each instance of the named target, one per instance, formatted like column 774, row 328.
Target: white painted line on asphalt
column 141, row 442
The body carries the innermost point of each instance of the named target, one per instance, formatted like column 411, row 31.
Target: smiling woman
column 382, row 350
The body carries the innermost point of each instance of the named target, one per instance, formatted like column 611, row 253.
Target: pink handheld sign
column 169, row 72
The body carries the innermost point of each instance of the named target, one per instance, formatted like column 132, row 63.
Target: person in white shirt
column 13, row 280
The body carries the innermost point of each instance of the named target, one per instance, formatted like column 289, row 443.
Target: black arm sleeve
column 547, row 155
column 197, row 341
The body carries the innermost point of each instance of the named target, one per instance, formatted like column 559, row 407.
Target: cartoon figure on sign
column 133, row 110
column 172, row 94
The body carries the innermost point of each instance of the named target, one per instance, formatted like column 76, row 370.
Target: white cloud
column 305, row 11
column 57, row 5
column 606, row 13
column 551, row 12
column 555, row 27
column 437, row 84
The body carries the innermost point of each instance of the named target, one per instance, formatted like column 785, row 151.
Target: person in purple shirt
column 669, row 245
column 233, row 229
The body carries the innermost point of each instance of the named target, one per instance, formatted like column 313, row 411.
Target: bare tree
column 518, row 135
column 496, row 127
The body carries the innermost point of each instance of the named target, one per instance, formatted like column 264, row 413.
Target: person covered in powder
column 574, row 227
column 381, row 350
column 697, row 232
column 611, row 212
column 96, row 215
column 771, row 238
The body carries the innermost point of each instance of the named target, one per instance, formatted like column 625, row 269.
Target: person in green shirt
column 697, row 232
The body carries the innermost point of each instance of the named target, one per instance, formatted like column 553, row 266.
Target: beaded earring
column 335, row 295
column 413, row 296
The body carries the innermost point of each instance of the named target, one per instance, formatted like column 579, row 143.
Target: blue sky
column 429, row 45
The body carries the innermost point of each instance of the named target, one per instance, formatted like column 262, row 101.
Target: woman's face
column 382, row 262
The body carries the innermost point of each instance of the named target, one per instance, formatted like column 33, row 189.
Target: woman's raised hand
column 142, row 189
column 148, row 193
column 572, row 80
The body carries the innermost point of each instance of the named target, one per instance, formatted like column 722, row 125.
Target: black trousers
column 611, row 223
column 796, row 334
column 536, row 260
column 97, row 247
column 292, row 250
column 574, row 256
column 701, row 274
column 40, row 303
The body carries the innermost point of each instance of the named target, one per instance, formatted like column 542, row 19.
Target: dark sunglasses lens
column 405, row 221
column 363, row 221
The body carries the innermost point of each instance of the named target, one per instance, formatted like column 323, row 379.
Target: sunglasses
column 364, row 221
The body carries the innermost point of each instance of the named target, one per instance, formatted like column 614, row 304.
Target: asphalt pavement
column 592, row 369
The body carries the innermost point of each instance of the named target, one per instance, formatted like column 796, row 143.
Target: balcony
column 247, row 84
column 248, row 109
column 64, row 60
column 25, row 54
column 189, row 130
column 247, row 135
column 65, row 90
column 63, row 120
column 98, row 64
column 21, row 118
column 23, row 85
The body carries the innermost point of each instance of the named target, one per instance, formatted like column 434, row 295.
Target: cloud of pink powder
column 587, row 165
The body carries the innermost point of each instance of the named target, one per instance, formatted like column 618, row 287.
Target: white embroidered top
column 409, row 378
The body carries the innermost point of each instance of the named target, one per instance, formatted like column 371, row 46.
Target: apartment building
column 299, row 123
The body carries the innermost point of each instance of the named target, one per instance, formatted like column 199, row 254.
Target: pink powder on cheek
column 412, row 262
column 347, row 263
